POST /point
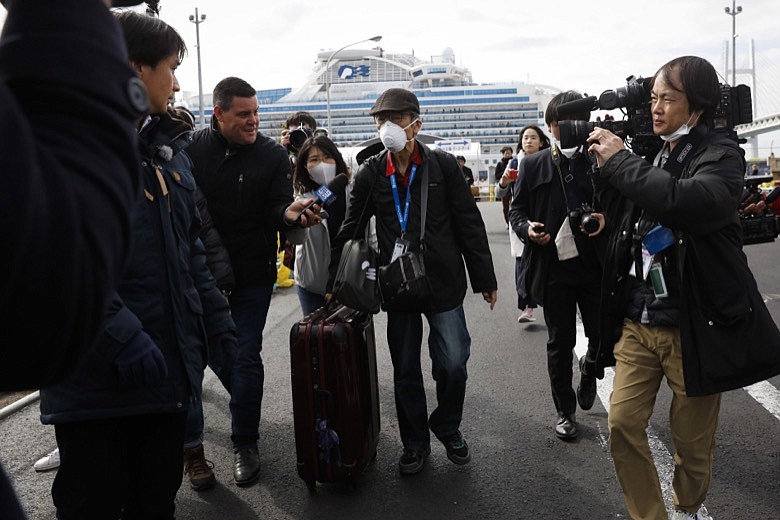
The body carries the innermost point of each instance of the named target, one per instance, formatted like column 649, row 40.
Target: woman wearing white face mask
column 318, row 163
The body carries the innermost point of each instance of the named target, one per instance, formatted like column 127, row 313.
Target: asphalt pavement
column 519, row 469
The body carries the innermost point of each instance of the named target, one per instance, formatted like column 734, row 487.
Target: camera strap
column 683, row 153
column 567, row 183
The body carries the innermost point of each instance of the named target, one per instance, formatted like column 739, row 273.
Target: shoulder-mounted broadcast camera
column 735, row 108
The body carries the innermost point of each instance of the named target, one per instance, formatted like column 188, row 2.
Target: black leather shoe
column 566, row 427
column 586, row 392
column 246, row 466
column 589, row 368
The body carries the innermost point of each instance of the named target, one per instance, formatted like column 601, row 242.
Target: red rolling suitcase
column 335, row 395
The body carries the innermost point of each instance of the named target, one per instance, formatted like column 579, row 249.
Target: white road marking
column 767, row 395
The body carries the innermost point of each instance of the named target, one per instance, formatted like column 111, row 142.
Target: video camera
column 751, row 193
column 735, row 108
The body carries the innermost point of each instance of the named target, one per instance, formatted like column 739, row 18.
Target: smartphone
column 512, row 174
column 539, row 228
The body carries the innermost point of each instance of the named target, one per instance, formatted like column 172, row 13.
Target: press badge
column 658, row 239
column 401, row 245
column 658, row 282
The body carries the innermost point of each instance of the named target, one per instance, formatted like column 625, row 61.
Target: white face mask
column 323, row 173
column 568, row 152
column 680, row 132
column 393, row 136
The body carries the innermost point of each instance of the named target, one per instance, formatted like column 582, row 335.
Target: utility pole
column 733, row 11
column 197, row 20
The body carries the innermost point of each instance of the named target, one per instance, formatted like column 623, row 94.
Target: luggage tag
column 658, row 281
column 658, row 239
column 401, row 245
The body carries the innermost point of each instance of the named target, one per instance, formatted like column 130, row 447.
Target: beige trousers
column 644, row 356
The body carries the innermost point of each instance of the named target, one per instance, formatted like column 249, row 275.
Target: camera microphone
column 576, row 107
column 326, row 194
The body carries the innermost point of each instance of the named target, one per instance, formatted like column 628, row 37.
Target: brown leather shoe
column 198, row 470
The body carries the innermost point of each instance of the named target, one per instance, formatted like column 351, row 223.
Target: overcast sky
column 568, row 44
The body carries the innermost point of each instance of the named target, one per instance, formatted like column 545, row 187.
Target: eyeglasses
column 395, row 117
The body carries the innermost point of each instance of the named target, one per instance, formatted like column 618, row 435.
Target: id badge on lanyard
column 401, row 244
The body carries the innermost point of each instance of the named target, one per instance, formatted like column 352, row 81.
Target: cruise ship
column 466, row 118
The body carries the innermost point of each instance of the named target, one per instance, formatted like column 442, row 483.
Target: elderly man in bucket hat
column 389, row 186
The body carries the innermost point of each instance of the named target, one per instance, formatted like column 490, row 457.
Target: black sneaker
column 412, row 462
column 457, row 449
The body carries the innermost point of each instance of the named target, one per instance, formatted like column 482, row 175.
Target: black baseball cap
column 396, row 100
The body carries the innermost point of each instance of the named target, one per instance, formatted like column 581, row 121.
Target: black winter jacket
column 166, row 290
column 728, row 337
column 454, row 230
column 217, row 257
column 248, row 189
column 532, row 202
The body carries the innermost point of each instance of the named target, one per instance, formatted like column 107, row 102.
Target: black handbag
column 355, row 282
column 405, row 278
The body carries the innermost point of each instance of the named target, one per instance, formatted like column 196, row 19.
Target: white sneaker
column 526, row 316
column 684, row 515
column 49, row 462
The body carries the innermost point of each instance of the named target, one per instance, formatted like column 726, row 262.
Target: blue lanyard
column 403, row 219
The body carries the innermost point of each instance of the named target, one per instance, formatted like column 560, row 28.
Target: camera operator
column 679, row 299
column 552, row 207
column 298, row 127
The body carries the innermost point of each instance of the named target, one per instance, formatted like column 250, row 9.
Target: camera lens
column 590, row 224
column 574, row 133
column 298, row 137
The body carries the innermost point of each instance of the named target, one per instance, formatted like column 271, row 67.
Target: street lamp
column 733, row 11
column 327, row 74
column 197, row 21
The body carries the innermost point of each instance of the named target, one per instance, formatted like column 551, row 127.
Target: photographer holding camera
column 552, row 213
column 298, row 127
column 679, row 298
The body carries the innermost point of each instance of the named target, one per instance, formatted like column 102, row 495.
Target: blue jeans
column 310, row 301
column 249, row 308
column 449, row 345
column 221, row 361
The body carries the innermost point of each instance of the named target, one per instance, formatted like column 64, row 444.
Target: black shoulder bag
column 405, row 278
column 355, row 283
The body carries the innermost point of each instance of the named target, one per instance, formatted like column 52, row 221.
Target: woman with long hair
column 532, row 139
column 319, row 162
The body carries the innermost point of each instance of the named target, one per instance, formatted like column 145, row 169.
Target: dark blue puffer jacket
column 166, row 290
